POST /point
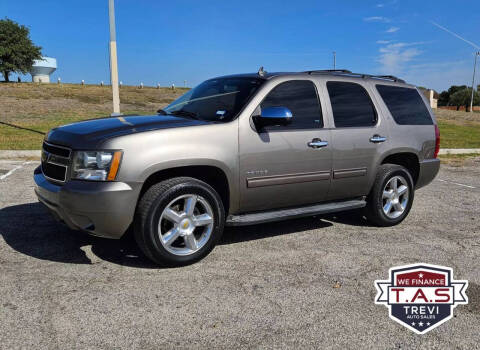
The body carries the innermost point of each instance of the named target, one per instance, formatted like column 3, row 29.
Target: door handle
column 317, row 143
column 377, row 138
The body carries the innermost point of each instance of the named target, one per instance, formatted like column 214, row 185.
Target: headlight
column 96, row 165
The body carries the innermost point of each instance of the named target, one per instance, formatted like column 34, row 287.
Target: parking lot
column 305, row 283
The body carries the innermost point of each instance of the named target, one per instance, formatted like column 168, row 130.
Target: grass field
column 42, row 107
column 458, row 129
column 35, row 109
column 458, row 160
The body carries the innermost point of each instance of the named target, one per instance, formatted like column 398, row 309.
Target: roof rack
column 329, row 71
column 349, row 73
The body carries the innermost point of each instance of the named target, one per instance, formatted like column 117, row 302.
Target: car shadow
column 352, row 217
column 31, row 230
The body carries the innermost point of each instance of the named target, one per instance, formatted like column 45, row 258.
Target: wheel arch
column 407, row 159
column 210, row 174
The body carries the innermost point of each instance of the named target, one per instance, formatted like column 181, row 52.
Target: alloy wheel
column 395, row 197
column 186, row 224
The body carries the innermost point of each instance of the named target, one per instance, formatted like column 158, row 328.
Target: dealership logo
column 421, row 296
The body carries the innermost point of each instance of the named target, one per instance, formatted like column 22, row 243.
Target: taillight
column 437, row 141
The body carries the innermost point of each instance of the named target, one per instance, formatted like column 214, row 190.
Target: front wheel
column 179, row 221
column 391, row 197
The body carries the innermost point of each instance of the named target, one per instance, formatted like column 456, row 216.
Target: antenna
column 261, row 72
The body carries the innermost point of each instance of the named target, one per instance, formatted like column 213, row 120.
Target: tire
column 165, row 221
column 376, row 209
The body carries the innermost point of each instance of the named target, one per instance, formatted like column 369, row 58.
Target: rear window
column 405, row 105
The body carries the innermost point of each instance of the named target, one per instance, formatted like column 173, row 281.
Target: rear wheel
column 391, row 197
column 179, row 221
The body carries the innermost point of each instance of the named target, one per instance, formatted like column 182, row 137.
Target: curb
column 459, row 151
column 13, row 154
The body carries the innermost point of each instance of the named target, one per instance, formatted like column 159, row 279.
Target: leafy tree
column 443, row 98
column 17, row 51
column 462, row 98
column 454, row 88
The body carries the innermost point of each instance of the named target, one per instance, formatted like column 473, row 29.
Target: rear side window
column 405, row 105
column 351, row 105
column 300, row 97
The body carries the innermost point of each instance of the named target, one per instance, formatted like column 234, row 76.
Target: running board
column 284, row 214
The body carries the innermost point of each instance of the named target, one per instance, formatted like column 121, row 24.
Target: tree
column 17, row 51
column 454, row 88
column 443, row 98
column 462, row 98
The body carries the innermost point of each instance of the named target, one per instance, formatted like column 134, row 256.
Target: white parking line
column 456, row 183
column 4, row 176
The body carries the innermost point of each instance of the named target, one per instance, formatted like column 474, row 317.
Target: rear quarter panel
column 417, row 139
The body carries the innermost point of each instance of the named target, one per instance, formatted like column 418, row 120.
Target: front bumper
column 104, row 209
column 428, row 170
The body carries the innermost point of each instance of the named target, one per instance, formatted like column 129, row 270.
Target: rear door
column 359, row 138
column 281, row 166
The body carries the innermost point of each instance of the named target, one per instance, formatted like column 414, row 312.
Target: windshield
column 216, row 99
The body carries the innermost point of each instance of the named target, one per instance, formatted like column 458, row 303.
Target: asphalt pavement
column 305, row 283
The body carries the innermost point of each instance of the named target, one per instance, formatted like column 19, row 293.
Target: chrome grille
column 55, row 162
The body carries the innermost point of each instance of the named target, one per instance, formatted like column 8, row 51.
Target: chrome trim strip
column 55, row 180
column 58, row 164
column 66, row 166
column 62, row 147
column 345, row 173
column 287, row 179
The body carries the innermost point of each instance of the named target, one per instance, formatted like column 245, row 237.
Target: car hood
column 89, row 133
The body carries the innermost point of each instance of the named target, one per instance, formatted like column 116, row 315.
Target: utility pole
column 113, row 61
column 334, row 60
column 473, row 80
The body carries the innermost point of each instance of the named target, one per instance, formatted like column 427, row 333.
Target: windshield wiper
column 183, row 113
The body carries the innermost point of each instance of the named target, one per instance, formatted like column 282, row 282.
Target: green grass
column 459, row 135
column 18, row 138
column 41, row 107
column 458, row 159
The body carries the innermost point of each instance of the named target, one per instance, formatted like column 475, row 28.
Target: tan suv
column 240, row 150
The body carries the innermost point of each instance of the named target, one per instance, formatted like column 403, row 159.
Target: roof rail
column 349, row 73
column 389, row 77
column 329, row 71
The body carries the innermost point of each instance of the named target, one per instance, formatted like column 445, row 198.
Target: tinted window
column 351, row 105
column 216, row 99
column 405, row 105
column 300, row 97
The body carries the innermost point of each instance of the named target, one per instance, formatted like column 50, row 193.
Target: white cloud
column 439, row 75
column 383, row 42
column 376, row 19
column 394, row 57
column 392, row 30
column 405, row 59
column 380, row 5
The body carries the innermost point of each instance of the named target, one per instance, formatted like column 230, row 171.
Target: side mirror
column 273, row 116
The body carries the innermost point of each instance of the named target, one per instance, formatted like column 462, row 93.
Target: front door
column 358, row 139
column 284, row 166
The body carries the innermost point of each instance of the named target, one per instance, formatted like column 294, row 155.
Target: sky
column 172, row 41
